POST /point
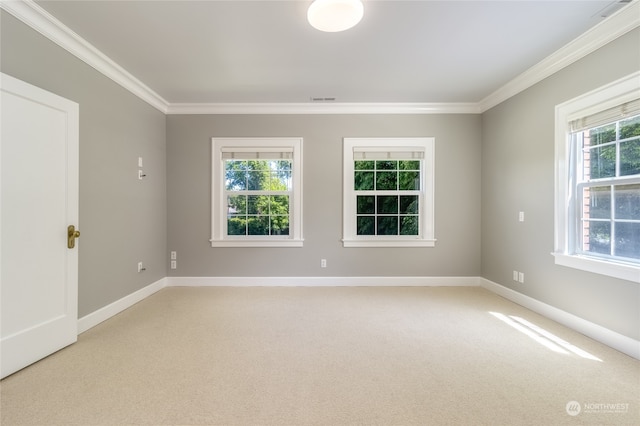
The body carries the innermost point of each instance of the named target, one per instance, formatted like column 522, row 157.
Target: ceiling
column 266, row 52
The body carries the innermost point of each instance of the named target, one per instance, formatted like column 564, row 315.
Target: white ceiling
column 266, row 52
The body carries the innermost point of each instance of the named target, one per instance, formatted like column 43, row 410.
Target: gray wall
column 518, row 175
column 122, row 220
column 457, row 193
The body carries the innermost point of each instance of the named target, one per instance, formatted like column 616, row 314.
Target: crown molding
column 613, row 27
column 323, row 108
column 46, row 24
column 618, row 24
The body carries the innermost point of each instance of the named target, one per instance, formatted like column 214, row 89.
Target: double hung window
column 388, row 192
column 257, row 198
column 598, row 181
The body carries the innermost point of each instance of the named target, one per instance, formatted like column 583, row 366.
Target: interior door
column 39, row 200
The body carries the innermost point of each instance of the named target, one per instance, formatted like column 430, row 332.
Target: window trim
column 427, row 209
column 624, row 90
column 265, row 144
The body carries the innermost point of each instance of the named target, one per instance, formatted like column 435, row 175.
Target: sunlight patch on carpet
column 544, row 337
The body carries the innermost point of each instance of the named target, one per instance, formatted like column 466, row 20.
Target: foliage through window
column 258, row 194
column 387, row 197
column 608, row 182
column 257, row 198
column 388, row 192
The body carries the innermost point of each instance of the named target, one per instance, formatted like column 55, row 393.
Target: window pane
column 235, row 175
column 630, row 157
column 408, row 225
column 364, row 181
column 258, row 225
column 257, row 204
column 627, row 201
column 409, row 181
column 280, row 165
column 387, row 204
column 386, row 165
column 628, row 240
column 603, row 162
column 598, row 200
column 364, row 165
column 387, row 225
column 630, row 127
column 237, row 204
column 408, row 204
column 365, row 225
column 258, row 180
column 279, row 204
column 366, row 204
column 604, row 134
column 279, row 225
column 386, row 181
column 280, row 181
column 410, row 165
column 597, row 237
column 236, row 225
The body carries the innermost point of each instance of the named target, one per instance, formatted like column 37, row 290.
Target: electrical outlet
column 515, row 275
column 174, row 255
column 323, row 263
column 174, row 264
column 521, row 277
column 521, row 216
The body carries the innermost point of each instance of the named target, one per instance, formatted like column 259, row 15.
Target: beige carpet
column 326, row 356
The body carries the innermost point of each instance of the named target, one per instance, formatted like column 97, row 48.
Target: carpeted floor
column 327, row 356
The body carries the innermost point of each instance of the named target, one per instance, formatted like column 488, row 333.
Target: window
column 256, row 192
column 388, row 192
column 598, row 181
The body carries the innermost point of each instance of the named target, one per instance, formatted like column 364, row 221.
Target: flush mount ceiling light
column 335, row 15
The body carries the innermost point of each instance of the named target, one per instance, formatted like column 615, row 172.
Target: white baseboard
column 103, row 314
column 617, row 341
column 601, row 334
column 322, row 281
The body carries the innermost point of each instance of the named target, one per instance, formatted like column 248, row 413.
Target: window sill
column 388, row 243
column 611, row 269
column 256, row 243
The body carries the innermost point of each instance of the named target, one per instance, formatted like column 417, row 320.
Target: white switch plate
column 174, row 264
column 521, row 277
column 521, row 216
column 139, row 161
column 174, row 255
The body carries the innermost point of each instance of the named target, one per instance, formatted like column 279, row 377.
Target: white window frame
column 425, row 237
column 565, row 250
column 219, row 204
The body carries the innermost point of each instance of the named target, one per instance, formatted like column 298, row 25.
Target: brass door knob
column 72, row 234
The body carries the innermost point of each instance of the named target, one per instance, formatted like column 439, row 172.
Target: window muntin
column 387, row 197
column 608, row 189
column 388, row 192
column 256, row 192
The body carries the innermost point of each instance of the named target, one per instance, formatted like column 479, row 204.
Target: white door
column 39, row 200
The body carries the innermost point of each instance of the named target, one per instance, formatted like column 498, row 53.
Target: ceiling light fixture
column 335, row 15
